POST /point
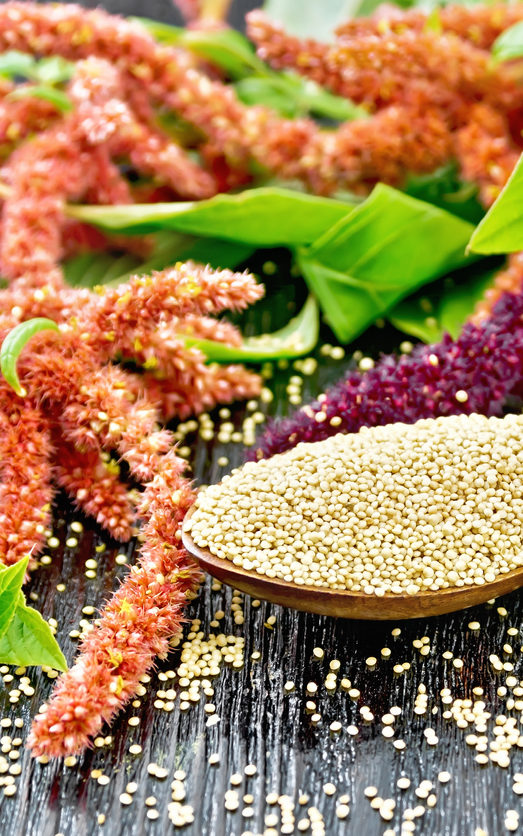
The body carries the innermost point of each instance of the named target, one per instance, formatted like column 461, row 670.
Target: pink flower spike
column 134, row 627
column 95, row 487
column 26, row 492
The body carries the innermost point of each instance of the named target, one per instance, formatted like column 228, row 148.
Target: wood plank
column 259, row 723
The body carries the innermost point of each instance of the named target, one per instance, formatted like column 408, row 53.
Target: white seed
column 397, row 497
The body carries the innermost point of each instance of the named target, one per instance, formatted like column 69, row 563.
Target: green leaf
column 43, row 91
column 372, row 258
column 414, row 318
column 95, row 268
column 444, row 188
column 298, row 337
column 501, row 230
column 287, row 93
column 25, row 638
column 91, row 269
column 443, row 309
column 311, row 18
column 53, row 70
column 15, row 64
column 268, row 92
column 15, row 342
column 28, row 640
column 165, row 33
column 213, row 251
column 292, row 95
column 509, row 44
column 226, row 48
column 11, row 580
column 264, row 217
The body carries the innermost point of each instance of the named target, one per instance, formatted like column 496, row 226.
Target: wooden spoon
column 326, row 601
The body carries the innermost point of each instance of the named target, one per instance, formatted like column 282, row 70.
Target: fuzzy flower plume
column 80, row 407
column 485, row 151
column 103, row 116
column 423, row 87
column 42, row 174
column 480, row 24
column 134, row 627
column 19, row 118
column 26, row 490
column 131, row 312
column 148, row 324
column 92, row 406
column 95, row 486
column 73, row 159
column 475, row 373
column 509, row 280
column 418, row 74
column 377, row 70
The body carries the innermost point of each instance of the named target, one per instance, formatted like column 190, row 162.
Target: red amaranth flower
column 103, row 117
column 26, row 490
column 134, row 627
column 95, row 487
column 378, row 70
column 125, row 318
column 475, row 373
column 199, row 386
column 354, row 156
column 480, row 23
column 509, row 280
column 19, row 118
column 94, row 405
column 485, row 151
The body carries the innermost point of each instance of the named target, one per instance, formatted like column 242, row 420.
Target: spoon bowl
column 347, row 604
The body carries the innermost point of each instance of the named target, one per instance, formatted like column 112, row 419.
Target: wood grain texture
column 259, row 723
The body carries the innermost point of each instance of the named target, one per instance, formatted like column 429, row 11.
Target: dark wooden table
column 260, row 723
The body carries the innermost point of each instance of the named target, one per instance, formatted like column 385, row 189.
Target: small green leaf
column 25, row 638
column 501, row 230
column 15, row 342
column 433, row 22
column 412, row 317
column 53, row 70
column 292, row 95
column 15, row 64
column 11, row 580
column 298, row 337
column 91, row 269
column 509, row 44
column 165, row 33
column 46, row 92
column 28, row 640
column 268, row 92
column 387, row 247
column 265, row 217
column 443, row 307
column 445, row 189
column 226, row 48
column 97, row 268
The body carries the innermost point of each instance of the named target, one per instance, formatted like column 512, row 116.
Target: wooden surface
column 259, row 722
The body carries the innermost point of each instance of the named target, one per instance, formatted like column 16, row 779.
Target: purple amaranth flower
column 475, row 373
